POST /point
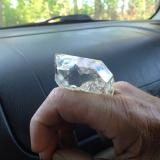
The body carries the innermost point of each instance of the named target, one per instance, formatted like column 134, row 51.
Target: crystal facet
column 84, row 74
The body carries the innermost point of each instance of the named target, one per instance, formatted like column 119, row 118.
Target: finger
column 71, row 155
column 130, row 90
column 127, row 89
column 73, row 107
column 67, row 136
column 47, row 153
column 40, row 144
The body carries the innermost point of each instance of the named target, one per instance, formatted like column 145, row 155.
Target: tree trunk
column 158, row 3
column 98, row 8
column 122, row 8
column 75, row 6
column 1, row 14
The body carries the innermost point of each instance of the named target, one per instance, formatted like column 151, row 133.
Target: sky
column 14, row 3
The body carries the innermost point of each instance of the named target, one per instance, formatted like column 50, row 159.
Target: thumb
column 69, row 154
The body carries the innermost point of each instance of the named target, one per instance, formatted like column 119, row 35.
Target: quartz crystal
column 84, row 74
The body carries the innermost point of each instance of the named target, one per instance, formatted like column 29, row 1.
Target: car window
column 17, row 12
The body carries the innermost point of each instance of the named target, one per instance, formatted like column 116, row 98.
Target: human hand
column 131, row 118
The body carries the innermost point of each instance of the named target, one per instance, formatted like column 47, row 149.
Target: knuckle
column 122, row 85
column 56, row 94
column 57, row 97
column 122, row 101
column 34, row 121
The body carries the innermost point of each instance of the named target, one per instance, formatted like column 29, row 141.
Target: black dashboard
column 131, row 50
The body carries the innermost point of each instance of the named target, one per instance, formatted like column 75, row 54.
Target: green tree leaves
column 1, row 15
column 14, row 12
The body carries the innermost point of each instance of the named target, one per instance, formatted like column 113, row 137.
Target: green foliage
column 14, row 12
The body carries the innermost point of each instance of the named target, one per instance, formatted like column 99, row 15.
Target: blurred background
column 16, row 12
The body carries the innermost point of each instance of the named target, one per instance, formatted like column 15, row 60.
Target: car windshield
column 18, row 12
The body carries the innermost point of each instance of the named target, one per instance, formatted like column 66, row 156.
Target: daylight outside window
column 17, row 12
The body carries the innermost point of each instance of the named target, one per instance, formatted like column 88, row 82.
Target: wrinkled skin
column 131, row 118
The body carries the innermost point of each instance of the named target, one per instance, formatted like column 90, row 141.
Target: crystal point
column 84, row 74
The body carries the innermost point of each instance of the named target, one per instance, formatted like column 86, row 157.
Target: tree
column 1, row 13
column 122, row 7
column 98, row 8
column 75, row 6
column 111, row 9
column 9, row 14
column 27, row 11
column 143, row 9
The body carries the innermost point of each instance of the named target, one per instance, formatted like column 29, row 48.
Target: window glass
column 17, row 12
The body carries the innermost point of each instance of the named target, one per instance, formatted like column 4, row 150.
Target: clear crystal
column 84, row 74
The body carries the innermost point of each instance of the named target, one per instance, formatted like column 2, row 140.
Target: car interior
column 130, row 49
